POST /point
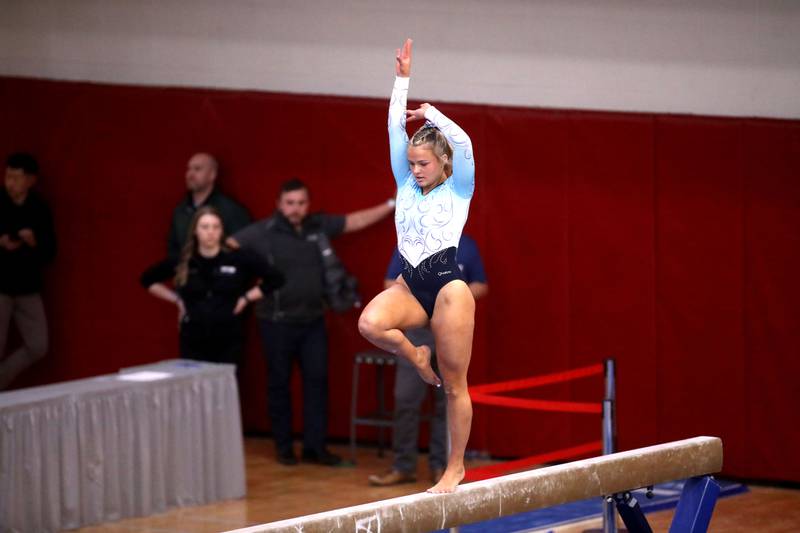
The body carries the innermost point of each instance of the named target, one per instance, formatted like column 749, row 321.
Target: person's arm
column 394, row 270
column 246, row 236
column 153, row 279
column 474, row 272
column 28, row 237
column 254, row 294
column 160, row 290
column 358, row 220
column 463, row 160
column 7, row 243
column 240, row 238
column 478, row 289
column 398, row 138
column 158, row 272
column 40, row 236
column 270, row 279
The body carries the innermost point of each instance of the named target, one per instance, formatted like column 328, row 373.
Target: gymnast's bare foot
column 424, row 369
column 450, row 480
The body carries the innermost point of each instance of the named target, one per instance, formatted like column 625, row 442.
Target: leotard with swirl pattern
column 428, row 223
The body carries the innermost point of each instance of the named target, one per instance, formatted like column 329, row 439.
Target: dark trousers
column 28, row 313
column 308, row 344
column 215, row 343
column 409, row 393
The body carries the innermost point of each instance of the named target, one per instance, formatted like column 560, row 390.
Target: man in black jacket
column 291, row 319
column 27, row 244
column 201, row 177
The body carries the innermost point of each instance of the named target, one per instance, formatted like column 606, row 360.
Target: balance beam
column 516, row 493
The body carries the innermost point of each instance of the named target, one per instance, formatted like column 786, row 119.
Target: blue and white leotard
column 429, row 226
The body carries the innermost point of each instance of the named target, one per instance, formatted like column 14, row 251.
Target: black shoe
column 287, row 458
column 323, row 457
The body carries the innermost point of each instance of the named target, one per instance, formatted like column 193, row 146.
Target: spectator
column 201, row 177
column 27, row 244
column 212, row 288
column 409, row 389
column 291, row 319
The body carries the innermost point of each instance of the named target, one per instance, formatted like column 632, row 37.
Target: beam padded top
column 517, row 493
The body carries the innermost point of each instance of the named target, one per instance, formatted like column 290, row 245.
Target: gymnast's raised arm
column 398, row 138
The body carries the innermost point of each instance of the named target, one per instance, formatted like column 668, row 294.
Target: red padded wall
column 699, row 280
column 669, row 242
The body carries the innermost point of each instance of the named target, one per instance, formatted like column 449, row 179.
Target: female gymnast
column 213, row 285
column 435, row 175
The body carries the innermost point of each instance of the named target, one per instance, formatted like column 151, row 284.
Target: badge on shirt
column 227, row 269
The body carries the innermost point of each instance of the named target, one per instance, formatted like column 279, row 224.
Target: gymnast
column 435, row 175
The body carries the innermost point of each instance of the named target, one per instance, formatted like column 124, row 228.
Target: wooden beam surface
column 516, row 493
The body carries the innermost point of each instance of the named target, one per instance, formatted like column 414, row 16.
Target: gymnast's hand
column 416, row 114
column 403, row 55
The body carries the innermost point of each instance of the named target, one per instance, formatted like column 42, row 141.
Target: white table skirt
column 101, row 449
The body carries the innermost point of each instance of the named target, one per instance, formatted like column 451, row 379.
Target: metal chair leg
column 353, row 406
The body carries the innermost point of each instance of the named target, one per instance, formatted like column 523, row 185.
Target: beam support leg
column 696, row 505
column 631, row 513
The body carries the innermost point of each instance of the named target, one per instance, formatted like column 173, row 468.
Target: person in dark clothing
column 27, row 244
column 213, row 285
column 201, row 176
column 291, row 320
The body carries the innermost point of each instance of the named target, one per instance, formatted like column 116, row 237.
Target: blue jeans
column 284, row 343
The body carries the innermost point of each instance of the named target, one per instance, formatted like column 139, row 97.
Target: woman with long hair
column 435, row 175
column 212, row 285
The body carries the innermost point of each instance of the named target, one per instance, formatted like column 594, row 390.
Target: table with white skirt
column 129, row 444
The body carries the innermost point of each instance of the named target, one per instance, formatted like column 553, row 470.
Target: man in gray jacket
column 291, row 319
